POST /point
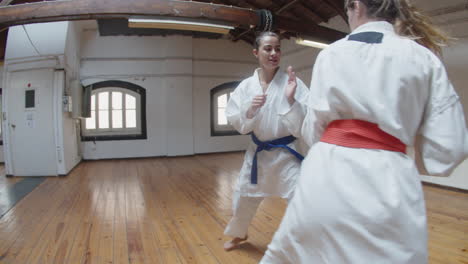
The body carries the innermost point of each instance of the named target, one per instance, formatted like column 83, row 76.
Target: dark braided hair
column 263, row 34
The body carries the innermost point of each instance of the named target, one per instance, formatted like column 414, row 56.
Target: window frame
column 221, row 130
column 115, row 134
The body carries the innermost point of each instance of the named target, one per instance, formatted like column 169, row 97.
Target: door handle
column 13, row 126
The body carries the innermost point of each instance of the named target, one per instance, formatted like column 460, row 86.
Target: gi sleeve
column 443, row 142
column 319, row 112
column 236, row 110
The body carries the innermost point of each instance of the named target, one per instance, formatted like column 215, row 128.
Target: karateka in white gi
column 273, row 157
column 359, row 197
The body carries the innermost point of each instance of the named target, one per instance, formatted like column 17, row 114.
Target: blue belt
column 268, row 145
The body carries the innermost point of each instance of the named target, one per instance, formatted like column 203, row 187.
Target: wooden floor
column 169, row 210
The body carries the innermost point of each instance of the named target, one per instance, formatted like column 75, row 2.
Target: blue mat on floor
column 10, row 195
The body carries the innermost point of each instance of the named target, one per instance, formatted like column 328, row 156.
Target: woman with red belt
column 359, row 198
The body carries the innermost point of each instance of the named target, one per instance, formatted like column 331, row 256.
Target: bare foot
column 234, row 243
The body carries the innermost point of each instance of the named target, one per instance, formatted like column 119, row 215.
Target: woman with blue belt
column 272, row 159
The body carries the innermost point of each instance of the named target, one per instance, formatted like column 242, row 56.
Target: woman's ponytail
column 411, row 23
column 408, row 22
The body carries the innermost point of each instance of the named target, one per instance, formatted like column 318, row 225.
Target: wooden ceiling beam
column 277, row 10
column 309, row 14
column 311, row 29
column 208, row 1
column 338, row 6
column 269, row 4
column 5, row 2
column 237, row 3
column 90, row 9
column 240, row 35
column 296, row 7
column 3, row 40
column 315, row 32
column 286, row 7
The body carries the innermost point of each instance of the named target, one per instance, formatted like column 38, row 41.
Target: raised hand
column 257, row 102
column 290, row 90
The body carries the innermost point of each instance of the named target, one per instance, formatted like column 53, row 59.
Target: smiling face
column 268, row 52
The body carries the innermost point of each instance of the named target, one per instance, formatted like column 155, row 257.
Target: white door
column 31, row 123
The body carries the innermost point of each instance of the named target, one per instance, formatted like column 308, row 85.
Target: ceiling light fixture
column 179, row 25
column 311, row 43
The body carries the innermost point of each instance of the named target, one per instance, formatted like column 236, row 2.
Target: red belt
column 360, row 134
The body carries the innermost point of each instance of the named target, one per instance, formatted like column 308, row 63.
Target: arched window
column 117, row 112
column 219, row 96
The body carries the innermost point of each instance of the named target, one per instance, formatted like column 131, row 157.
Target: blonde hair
column 408, row 22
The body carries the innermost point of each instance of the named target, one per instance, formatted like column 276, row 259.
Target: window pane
column 103, row 119
column 222, row 116
column 130, row 102
column 91, row 121
column 103, row 101
column 116, row 100
column 222, row 100
column 93, row 102
column 130, row 118
column 117, row 119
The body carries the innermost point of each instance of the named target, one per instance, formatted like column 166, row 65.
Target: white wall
column 32, row 47
column 71, row 141
column 456, row 62
column 216, row 62
column 36, row 46
column 302, row 58
column 156, row 117
column 179, row 123
column 48, row 39
column 177, row 73
column 160, row 65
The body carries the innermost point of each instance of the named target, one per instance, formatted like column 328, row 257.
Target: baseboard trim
column 166, row 156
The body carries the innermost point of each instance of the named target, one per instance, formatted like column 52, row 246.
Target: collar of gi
column 276, row 78
column 376, row 26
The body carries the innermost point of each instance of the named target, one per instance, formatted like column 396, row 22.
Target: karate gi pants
column 243, row 209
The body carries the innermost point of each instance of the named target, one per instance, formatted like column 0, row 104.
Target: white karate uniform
column 354, row 205
column 277, row 169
